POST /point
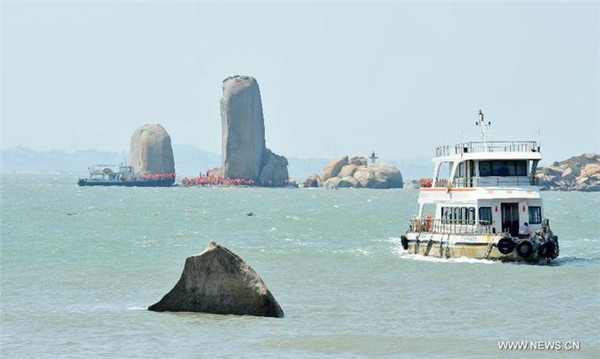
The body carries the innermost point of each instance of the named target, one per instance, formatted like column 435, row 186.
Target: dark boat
column 110, row 175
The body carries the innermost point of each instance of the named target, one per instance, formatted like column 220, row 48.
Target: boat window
column 502, row 168
column 535, row 215
column 471, row 215
column 446, row 214
column 461, row 170
column 485, row 215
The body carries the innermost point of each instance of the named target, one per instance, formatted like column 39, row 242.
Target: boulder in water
column 220, row 282
column 312, row 180
column 274, row 171
column 150, row 150
column 348, row 182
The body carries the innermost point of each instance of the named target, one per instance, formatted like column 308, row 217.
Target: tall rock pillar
column 243, row 128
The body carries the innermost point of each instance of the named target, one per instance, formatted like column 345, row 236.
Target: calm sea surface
column 80, row 265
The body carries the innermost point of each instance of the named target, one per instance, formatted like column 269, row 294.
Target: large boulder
column 348, row 182
column 312, row 180
column 243, row 128
column 378, row 175
column 332, row 183
column 220, row 282
column 150, row 150
column 274, row 171
column 365, row 177
column 347, row 171
column 590, row 169
column 387, row 175
column 333, row 168
column 359, row 161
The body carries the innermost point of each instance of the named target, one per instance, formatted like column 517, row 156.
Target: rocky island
column 356, row 172
column 578, row 173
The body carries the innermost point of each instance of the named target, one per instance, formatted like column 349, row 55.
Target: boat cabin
column 483, row 187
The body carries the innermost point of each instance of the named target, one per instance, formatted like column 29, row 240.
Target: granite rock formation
column 312, row 180
column 359, row 161
column 274, row 169
column 220, row 282
column 333, row 168
column 578, row 173
column 245, row 155
column 356, row 173
column 150, row 150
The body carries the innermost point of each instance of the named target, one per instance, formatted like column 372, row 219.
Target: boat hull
column 145, row 183
column 535, row 248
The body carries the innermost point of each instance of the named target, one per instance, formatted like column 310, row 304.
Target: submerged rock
column 220, row 282
column 150, row 150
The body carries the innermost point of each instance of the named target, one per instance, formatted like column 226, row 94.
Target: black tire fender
column 505, row 245
column 545, row 250
column 525, row 249
column 404, row 242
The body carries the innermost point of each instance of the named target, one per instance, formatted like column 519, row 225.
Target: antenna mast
column 483, row 125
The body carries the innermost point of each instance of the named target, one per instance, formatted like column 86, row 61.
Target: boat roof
column 526, row 150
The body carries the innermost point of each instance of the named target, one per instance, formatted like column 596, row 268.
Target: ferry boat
column 483, row 202
column 122, row 175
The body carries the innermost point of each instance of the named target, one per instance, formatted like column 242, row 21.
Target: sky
column 335, row 78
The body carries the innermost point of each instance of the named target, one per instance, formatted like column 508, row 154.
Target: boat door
column 510, row 218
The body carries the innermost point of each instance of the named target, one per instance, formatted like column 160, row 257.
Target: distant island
column 356, row 172
column 578, row 173
column 190, row 159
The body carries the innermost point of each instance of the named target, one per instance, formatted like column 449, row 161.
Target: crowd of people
column 211, row 179
column 216, row 180
column 158, row 176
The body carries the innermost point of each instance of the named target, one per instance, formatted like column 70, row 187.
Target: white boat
column 483, row 202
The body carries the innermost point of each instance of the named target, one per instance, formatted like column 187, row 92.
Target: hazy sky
column 335, row 78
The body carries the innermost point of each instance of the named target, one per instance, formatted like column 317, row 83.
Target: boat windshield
column 502, row 168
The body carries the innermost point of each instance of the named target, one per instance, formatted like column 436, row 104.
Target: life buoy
column 525, row 249
column 426, row 182
column 506, row 245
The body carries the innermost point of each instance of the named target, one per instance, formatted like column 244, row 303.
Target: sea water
column 81, row 264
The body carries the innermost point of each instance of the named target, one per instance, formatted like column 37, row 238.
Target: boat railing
column 490, row 146
column 488, row 182
column 450, row 226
